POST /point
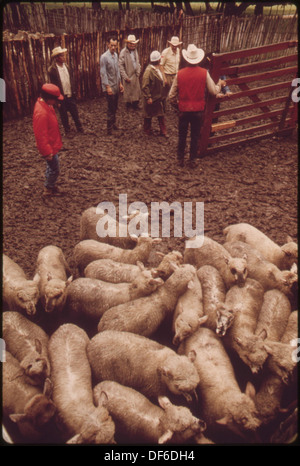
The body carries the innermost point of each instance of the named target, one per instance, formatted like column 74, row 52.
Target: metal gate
column 260, row 105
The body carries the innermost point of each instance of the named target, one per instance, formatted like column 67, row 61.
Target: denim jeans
column 194, row 119
column 52, row 172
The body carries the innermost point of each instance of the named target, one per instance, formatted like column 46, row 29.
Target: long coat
column 132, row 90
column 152, row 87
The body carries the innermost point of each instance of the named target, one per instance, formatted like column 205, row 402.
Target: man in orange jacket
column 47, row 134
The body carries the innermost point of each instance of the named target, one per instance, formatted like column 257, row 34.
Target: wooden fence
column 26, row 57
column 262, row 90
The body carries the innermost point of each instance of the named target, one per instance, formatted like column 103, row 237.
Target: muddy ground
column 255, row 183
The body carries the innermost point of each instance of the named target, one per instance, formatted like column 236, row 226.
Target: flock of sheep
column 102, row 375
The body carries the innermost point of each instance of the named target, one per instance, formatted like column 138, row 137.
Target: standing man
column 47, row 134
column 130, row 70
column 170, row 59
column 60, row 75
column 188, row 89
column 111, row 82
column 152, row 88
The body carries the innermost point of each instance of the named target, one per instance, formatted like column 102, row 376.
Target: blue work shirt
column 109, row 71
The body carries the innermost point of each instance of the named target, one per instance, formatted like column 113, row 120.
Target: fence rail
column 275, row 114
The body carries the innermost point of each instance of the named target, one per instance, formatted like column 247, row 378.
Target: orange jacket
column 46, row 129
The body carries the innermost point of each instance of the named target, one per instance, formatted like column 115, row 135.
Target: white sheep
column 72, row 389
column 220, row 397
column 92, row 297
column 28, row 343
column 166, row 266
column 219, row 315
column 89, row 250
column 19, row 293
column 88, row 228
column 188, row 314
column 144, row 316
column 141, row 421
column 281, row 256
column 265, row 272
column 233, row 270
column 25, row 404
column 246, row 303
column 51, row 273
column 141, row 363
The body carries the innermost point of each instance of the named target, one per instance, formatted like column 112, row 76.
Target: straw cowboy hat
column 174, row 41
column 57, row 51
column 193, row 55
column 131, row 38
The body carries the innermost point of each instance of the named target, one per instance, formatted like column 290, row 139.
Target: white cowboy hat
column 175, row 41
column 131, row 38
column 155, row 56
column 193, row 55
column 57, row 51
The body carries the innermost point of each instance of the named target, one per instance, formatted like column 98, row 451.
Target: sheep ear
column 17, row 417
column 226, row 260
column 140, row 265
column 164, row 402
column 165, row 437
column 263, row 334
column 157, row 240
column 48, row 386
column 268, row 349
column 289, row 239
column 36, row 278
column 223, row 421
column 70, row 279
column 202, row 320
column 174, row 266
column 245, row 256
column 250, row 390
column 49, row 276
column 192, row 355
column 76, row 439
column 160, row 254
column 238, row 340
column 38, row 345
column 103, row 399
column 191, row 285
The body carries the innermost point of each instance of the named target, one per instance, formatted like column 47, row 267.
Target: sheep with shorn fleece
column 51, row 273
column 141, row 363
column 71, row 377
column 144, row 316
column 281, row 361
column 92, row 297
column 268, row 398
column 89, row 230
column 219, row 315
column 111, row 271
column 89, row 250
column 233, row 270
column 188, row 314
column 26, row 405
column 246, row 303
column 221, row 400
column 18, row 293
column 281, row 256
column 140, row 420
column 266, row 273
column 28, row 343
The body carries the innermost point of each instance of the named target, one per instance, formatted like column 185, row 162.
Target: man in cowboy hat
column 130, row 70
column 60, row 75
column 47, row 134
column 170, row 59
column 188, row 89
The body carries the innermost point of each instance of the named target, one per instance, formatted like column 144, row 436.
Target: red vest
column 191, row 88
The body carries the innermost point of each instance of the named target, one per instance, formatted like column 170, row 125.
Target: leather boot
column 162, row 126
column 147, row 126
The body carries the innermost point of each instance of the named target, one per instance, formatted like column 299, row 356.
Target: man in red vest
column 189, row 88
column 47, row 134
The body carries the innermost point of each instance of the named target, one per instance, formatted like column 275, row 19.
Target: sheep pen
column 255, row 183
